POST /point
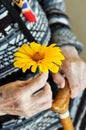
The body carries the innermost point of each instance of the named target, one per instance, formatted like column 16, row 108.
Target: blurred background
column 76, row 10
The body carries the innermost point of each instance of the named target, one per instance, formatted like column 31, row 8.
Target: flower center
column 38, row 56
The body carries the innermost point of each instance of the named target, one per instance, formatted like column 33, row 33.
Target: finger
column 76, row 79
column 81, row 79
column 44, row 96
column 74, row 84
column 37, row 83
column 59, row 79
column 84, row 79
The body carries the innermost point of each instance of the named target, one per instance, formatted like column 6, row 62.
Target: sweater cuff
column 64, row 36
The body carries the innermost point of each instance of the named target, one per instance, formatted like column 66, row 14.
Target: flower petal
column 27, row 66
column 20, row 59
column 52, row 45
column 53, row 68
column 34, row 68
column 35, row 46
column 22, row 64
column 20, row 54
column 25, row 49
column 43, row 67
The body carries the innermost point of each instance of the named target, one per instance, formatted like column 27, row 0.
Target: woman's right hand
column 18, row 98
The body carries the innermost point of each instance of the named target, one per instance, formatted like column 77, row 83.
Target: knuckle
column 22, row 83
column 24, row 110
column 26, row 114
column 69, row 64
column 18, row 82
column 48, row 94
column 75, row 91
column 49, row 104
column 41, row 80
column 74, row 94
column 49, row 98
column 76, row 88
column 82, row 64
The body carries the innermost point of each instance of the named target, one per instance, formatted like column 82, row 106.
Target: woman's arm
column 61, row 32
column 74, row 68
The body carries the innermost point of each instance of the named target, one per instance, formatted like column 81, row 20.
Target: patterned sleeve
column 59, row 23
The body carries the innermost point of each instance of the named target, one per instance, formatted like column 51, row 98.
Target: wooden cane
column 61, row 105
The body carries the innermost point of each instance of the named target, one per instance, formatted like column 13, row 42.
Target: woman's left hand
column 74, row 69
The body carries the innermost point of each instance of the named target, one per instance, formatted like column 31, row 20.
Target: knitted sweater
column 52, row 26
column 13, row 33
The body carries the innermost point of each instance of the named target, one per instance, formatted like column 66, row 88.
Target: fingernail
column 62, row 84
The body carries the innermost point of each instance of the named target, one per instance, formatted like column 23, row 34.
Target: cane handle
column 61, row 102
column 61, row 105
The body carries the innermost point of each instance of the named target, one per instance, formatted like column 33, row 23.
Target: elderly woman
column 46, row 22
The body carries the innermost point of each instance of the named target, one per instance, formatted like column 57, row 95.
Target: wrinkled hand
column 18, row 98
column 74, row 69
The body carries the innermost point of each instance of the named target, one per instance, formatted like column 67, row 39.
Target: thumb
column 59, row 79
column 38, row 82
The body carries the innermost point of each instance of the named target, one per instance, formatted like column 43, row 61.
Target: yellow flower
column 35, row 56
